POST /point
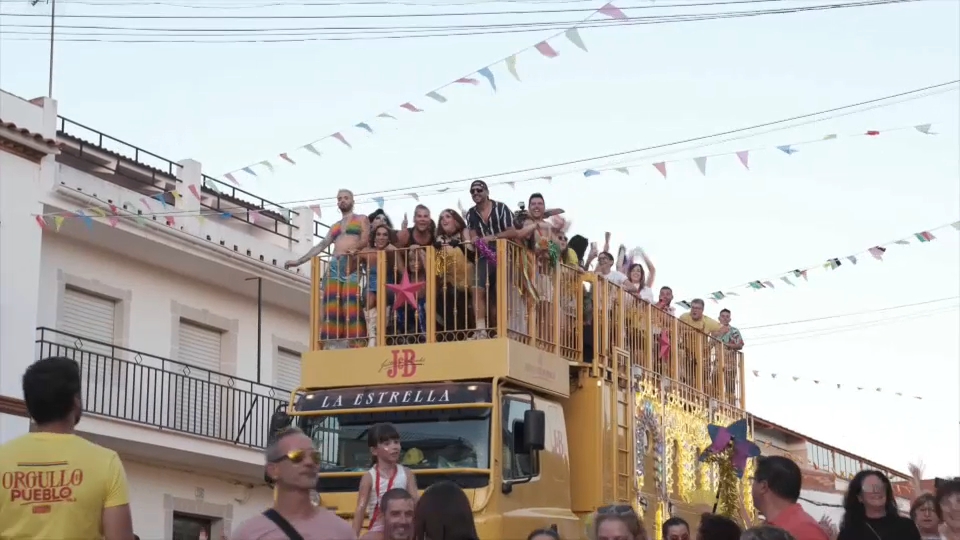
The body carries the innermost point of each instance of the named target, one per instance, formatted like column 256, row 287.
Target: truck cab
column 540, row 422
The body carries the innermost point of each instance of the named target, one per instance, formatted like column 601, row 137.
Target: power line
column 866, row 312
column 665, row 145
column 874, row 103
column 850, row 328
column 283, row 35
column 392, row 15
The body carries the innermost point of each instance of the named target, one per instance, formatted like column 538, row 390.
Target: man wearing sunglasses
column 487, row 220
column 293, row 465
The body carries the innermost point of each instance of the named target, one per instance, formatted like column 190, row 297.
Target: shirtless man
column 341, row 323
column 423, row 231
column 539, row 234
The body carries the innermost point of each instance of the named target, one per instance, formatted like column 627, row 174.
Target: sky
column 228, row 105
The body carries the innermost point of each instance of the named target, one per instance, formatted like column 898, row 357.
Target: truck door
column 519, row 465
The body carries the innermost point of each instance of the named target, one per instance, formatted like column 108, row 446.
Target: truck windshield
column 430, row 439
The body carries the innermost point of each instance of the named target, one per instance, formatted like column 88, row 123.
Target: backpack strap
column 284, row 525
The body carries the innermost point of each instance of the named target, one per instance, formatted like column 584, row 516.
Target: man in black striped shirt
column 488, row 220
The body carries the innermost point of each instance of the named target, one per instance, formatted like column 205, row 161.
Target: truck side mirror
column 534, row 430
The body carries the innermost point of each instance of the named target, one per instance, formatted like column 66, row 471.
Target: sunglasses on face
column 476, row 190
column 297, row 456
column 615, row 510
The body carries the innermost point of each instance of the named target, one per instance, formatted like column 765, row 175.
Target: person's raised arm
column 591, row 256
column 115, row 517
column 651, row 269
column 363, row 499
column 314, row 251
column 606, row 242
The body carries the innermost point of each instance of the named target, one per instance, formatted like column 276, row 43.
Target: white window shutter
column 198, row 393
column 91, row 322
column 287, row 371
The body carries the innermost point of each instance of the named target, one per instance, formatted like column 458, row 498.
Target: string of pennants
column 369, row 126
column 791, row 278
column 156, row 205
column 839, row 386
column 743, row 156
column 151, row 203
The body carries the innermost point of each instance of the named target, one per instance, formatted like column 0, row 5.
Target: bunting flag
column 877, row 252
column 856, row 387
column 543, row 48
column 661, row 167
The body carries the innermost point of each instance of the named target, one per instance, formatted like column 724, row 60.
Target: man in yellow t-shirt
column 54, row 484
column 698, row 320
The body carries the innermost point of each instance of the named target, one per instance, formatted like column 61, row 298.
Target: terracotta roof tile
column 52, row 143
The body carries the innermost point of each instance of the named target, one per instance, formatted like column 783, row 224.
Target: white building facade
column 148, row 273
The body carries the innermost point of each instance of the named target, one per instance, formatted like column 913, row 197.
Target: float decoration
column 730, row 449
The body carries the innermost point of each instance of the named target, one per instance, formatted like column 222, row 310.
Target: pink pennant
column 743, row 155
column 467, row 80
column 170, row 221
column 41, row 222
column 114, row 219
column 193, row 189
column 229, row 176
column 545, row 49
column 411, row 107
column 612, row 11
column 287, row 158
column 662, row 167
column 339, row 136
column 253, row 215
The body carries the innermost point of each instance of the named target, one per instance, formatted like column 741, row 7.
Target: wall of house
column 151, row 302
column 156, row 493
column 21, row 181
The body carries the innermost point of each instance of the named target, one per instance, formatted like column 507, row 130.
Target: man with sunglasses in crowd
column 488, row 220
column 293, row 465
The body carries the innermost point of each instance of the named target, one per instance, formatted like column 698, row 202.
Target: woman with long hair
column 444, row 513
column 870, row 511
column 618, row 522
column 382, row 237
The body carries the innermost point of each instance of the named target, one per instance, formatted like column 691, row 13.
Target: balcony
column 560, row 309
column 164, row 395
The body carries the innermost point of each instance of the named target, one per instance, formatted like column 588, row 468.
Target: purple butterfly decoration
column 734, row 435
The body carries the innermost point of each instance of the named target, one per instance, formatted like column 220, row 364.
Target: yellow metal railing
column 360, row 300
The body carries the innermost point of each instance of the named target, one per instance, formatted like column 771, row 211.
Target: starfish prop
column 405, row 292
column 732, row 437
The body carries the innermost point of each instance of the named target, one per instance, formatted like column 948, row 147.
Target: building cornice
column 26, row 144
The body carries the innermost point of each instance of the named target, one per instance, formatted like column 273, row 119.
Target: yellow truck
column 578, row 395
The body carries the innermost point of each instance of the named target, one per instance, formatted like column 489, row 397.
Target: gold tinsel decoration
column 728, row 501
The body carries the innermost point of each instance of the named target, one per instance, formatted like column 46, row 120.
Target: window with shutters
column 287, row 370
column 196, row 386
column 88, row 322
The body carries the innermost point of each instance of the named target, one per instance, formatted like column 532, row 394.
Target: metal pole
column 53, row 18
column 259, row 322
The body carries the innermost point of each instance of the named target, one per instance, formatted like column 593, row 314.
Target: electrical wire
column 809, row 119
column 397, row 32
column 854, row 314
column 383, row 15
column 785, row 338
column 809, row 116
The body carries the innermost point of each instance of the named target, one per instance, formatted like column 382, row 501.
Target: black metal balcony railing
column 230, row 199
column 102, row 141
column 149, row 390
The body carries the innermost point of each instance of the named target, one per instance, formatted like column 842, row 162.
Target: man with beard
column 56, row 484
column 397, row 505
column 488, row 220
column 340, row 322
column 293, row 465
